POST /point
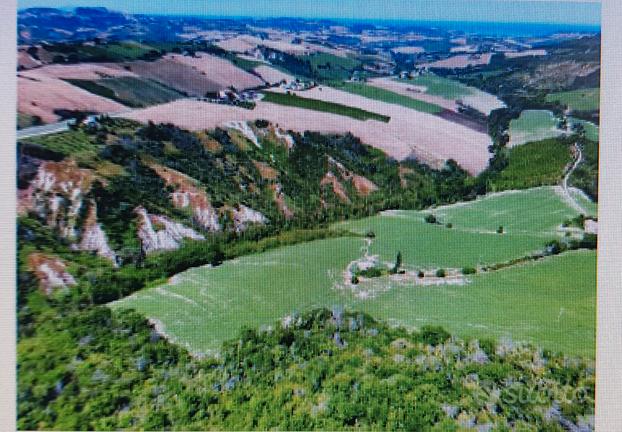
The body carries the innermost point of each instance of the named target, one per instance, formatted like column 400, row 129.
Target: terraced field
column 550, row 302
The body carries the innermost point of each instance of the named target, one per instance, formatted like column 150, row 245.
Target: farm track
column 567, row 196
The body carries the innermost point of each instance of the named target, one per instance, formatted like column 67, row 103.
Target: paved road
column 43, row 130
column 55, row 127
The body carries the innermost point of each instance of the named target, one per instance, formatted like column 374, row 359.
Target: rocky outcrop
column 244, row 128
column 56, row 194
column 362, row 185
column 279, row 199
column 330, row 179
column 187, row 194
column 160, row 233
column 284, row 137
column 244, row 216
column 50, row 271
column 94, row 238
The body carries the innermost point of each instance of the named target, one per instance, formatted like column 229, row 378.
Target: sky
column 586, row 12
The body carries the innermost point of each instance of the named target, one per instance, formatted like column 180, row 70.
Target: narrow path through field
column 567, row 196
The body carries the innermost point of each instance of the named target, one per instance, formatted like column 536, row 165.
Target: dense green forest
column 89, row 368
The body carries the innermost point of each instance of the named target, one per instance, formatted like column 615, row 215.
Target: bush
column 468, row 270
column 441, row 273
column 371, row 272
column 261, row 123
column 420, row 274
column 431, row 219
column 433, row 335
column 449, row 225
column 370, row 234
column 500, row 230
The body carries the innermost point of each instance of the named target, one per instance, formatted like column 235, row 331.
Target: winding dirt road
column 571, row 201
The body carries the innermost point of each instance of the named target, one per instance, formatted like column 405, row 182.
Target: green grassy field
column 320, row 105
column 549, row 302
column 130, row 91
column 591, row 130
column 578, row 100
column 210, row 305
column 533, row 164
column 529, row 219
column 67, row 143
column 439, row 86
column 388, row 96
column 329, row 66
column 533, row 125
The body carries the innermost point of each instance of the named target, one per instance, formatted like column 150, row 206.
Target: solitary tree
column 398, row 263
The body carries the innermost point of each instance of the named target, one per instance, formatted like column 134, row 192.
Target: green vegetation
column 82, row 366
column 325, row 370
column 441, row 86
column 587, row 99
column 332, row 67
column 271, row 283
column 529, row 218
column 130, row 91
column 321, row 105
column 585, row 176
column 550, row 303
column 533, row 164
column 26, row 120
column 76, row 52
column 480, row 308
column 589, row 129
column 533, row 125
column 388, row 96
column 67, row 143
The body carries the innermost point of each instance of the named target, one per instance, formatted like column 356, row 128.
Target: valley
column 235, row 223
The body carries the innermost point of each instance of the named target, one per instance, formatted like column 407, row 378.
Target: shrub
column 500, row 230
column 433, row 335
column 420, row 274
column 468, row 270
column 370, row 234
column 371, row 272
column 261, row 123
column 441, row 273
column 431, row 219
column 449, row 225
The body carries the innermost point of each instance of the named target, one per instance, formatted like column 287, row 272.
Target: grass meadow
column 578, row 100
column 324, row 106
column 439, row 86
column 550, row 302
column 533, row 125
column 529, row 219
column 388, row 96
